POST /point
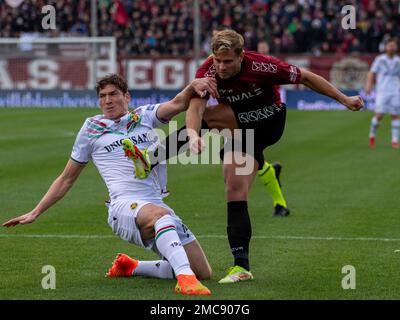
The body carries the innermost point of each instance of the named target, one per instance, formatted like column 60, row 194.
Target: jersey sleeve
column 82, row 149
column 375, row 65
column 274, row 71
column 284, row 73
column 207, row 69
column 148, row 114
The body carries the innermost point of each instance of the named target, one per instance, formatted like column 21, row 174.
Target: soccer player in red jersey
column 248, row 99
column 268, row 174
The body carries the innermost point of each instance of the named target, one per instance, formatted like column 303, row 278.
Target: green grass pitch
column 344, row 198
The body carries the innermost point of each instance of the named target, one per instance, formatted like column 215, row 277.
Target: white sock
column 154, row 269
column 395, row 130
column 170, row 246
column 374, row 127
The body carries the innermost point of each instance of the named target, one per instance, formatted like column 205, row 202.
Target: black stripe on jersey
column 79, row 162
column 161, row 120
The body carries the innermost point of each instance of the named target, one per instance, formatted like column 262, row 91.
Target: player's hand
column 196, row 145
column 24, row 219
column 354, row 103
column 205, row 86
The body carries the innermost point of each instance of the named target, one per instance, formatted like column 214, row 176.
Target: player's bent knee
column 147, row 218
column 236, row 191
column 220, row 117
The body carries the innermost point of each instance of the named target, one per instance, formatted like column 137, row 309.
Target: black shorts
column 268, row 124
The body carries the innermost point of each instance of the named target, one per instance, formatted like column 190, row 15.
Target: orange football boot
column 188, row 284
column 122, row 266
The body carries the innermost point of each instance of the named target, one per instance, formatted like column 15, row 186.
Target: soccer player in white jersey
column 136, row 210
column 385, row 73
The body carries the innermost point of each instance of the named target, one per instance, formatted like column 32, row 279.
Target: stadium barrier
column 297, row 99
column 43, row 67
column 60, row 72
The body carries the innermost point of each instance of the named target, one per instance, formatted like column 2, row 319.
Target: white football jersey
column 100, row 139
column 387, row 74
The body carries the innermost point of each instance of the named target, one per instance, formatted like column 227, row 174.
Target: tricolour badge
column 133, row 205
column 135, row 116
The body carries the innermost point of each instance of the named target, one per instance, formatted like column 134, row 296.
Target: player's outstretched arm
column 57, row 190
column 320, row 85
column 181, row 101
column 194, row 116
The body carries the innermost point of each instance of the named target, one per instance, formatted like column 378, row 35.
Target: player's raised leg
column 141, row 162
column 269, row 176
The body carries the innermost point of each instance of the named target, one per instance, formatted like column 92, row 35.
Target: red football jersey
column 257, row 82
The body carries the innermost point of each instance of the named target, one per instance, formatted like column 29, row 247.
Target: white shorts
column 122, row 220
column 387, row 103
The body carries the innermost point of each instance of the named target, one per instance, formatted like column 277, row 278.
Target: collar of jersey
column 98, row 127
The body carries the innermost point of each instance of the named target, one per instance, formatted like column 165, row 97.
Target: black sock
column 239, row 232
column 165, row 152
column 172, row 152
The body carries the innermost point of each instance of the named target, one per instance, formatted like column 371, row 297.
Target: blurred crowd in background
column 165, row 27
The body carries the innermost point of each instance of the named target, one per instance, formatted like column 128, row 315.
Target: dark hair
column 113, row 79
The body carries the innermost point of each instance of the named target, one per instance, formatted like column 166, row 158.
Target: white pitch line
column 53, row 134
column 210, row 236
column 308, row 238
column 59, row 236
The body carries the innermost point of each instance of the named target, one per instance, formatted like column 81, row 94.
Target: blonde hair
column 226, row 40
